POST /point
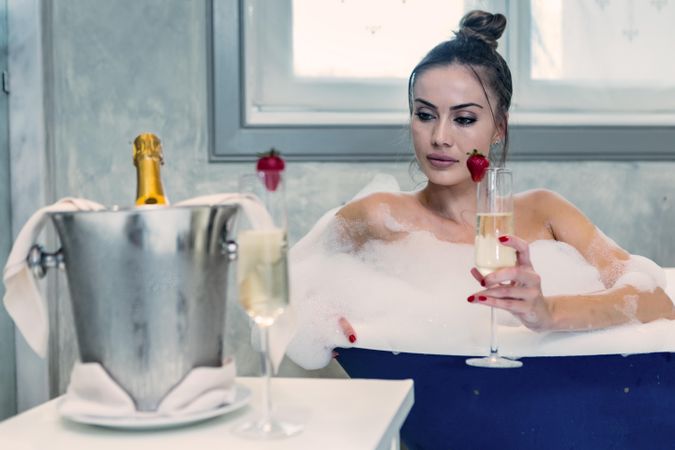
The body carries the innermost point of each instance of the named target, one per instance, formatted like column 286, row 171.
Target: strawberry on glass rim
column 270, row 165
column 477, row 165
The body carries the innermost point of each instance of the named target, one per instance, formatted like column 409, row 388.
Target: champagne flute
column 494, row 218
column 262, row 278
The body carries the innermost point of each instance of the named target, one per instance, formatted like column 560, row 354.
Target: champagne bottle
column 147, row 159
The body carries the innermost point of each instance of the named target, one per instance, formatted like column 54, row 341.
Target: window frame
column 232, row 139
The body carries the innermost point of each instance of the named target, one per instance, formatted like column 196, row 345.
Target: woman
column 459, row 97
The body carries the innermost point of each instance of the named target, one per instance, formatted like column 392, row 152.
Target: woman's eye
column 424, row 116
column 465, row 121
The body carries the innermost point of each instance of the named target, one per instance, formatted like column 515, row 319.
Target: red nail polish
column 482, row 282
column 482, row 298
column 352, row 338
column 470, row 299
column 503, row 238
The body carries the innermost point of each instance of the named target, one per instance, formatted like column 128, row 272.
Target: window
column 595, row 62
column 326, row 79
column 337, row 61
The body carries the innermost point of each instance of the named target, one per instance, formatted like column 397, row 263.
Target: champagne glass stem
column 267, row 369
column 493, row 332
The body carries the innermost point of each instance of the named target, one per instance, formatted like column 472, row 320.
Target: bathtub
column 551, row 403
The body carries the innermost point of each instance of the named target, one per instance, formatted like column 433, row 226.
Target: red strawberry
column 271, row 165
column 477, row 164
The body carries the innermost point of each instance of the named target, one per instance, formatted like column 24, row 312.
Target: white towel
column 23, row 300
column 254, row 210
column 92, row 392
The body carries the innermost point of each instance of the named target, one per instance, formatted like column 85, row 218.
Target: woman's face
column 450, row 118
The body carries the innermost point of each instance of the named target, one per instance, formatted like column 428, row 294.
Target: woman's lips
column 439, row 161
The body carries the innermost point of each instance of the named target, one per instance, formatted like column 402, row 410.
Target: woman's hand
column 520, row 292
column 347, row 330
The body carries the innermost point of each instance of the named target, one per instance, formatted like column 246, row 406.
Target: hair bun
column 484, row 26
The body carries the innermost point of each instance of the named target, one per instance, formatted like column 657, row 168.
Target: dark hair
column 475, row 46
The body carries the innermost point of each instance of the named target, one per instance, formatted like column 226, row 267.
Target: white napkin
column 92, row 392
column 284, row 328
column 23, row 300
column 252, row 207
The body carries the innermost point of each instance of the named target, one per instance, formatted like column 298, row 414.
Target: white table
column 340, row 414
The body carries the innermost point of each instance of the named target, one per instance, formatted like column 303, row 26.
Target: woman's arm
column 615, row 305
column 568, row 224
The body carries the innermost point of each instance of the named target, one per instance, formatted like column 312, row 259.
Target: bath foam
column 602, row 247
column 642, row 273
column 410, row 296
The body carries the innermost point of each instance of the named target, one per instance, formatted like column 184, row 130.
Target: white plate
column 241, row 398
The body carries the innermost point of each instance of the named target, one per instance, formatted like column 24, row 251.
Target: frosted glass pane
column 368, row 38
column 609, row 42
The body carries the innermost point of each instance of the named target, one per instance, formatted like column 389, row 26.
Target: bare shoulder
column 370, row 217
column 569, row 224
column 369, row 206
column 551, row 210
column 550, row 206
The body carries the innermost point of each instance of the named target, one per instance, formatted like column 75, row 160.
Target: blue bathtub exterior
column 551, row 403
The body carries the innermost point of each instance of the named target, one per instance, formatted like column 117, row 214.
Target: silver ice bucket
column 148, row 289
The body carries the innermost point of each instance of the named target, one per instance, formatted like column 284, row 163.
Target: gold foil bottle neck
column 147, row 145
column 148, row 158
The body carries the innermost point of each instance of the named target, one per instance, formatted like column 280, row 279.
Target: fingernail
column 482, row 298
column 482, row 282
column 470, row 299
column 503, row 238
column 352, row 338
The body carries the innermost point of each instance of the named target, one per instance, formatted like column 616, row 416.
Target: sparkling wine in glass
column 494, row 218
column 262, row 280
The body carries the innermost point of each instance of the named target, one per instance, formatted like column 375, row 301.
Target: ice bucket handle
column 40, row 261
column 230, row 248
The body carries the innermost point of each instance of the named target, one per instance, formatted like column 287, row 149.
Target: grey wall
column 7, row 366
column 120, row 68
column 29, row 174
column 7, row 360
